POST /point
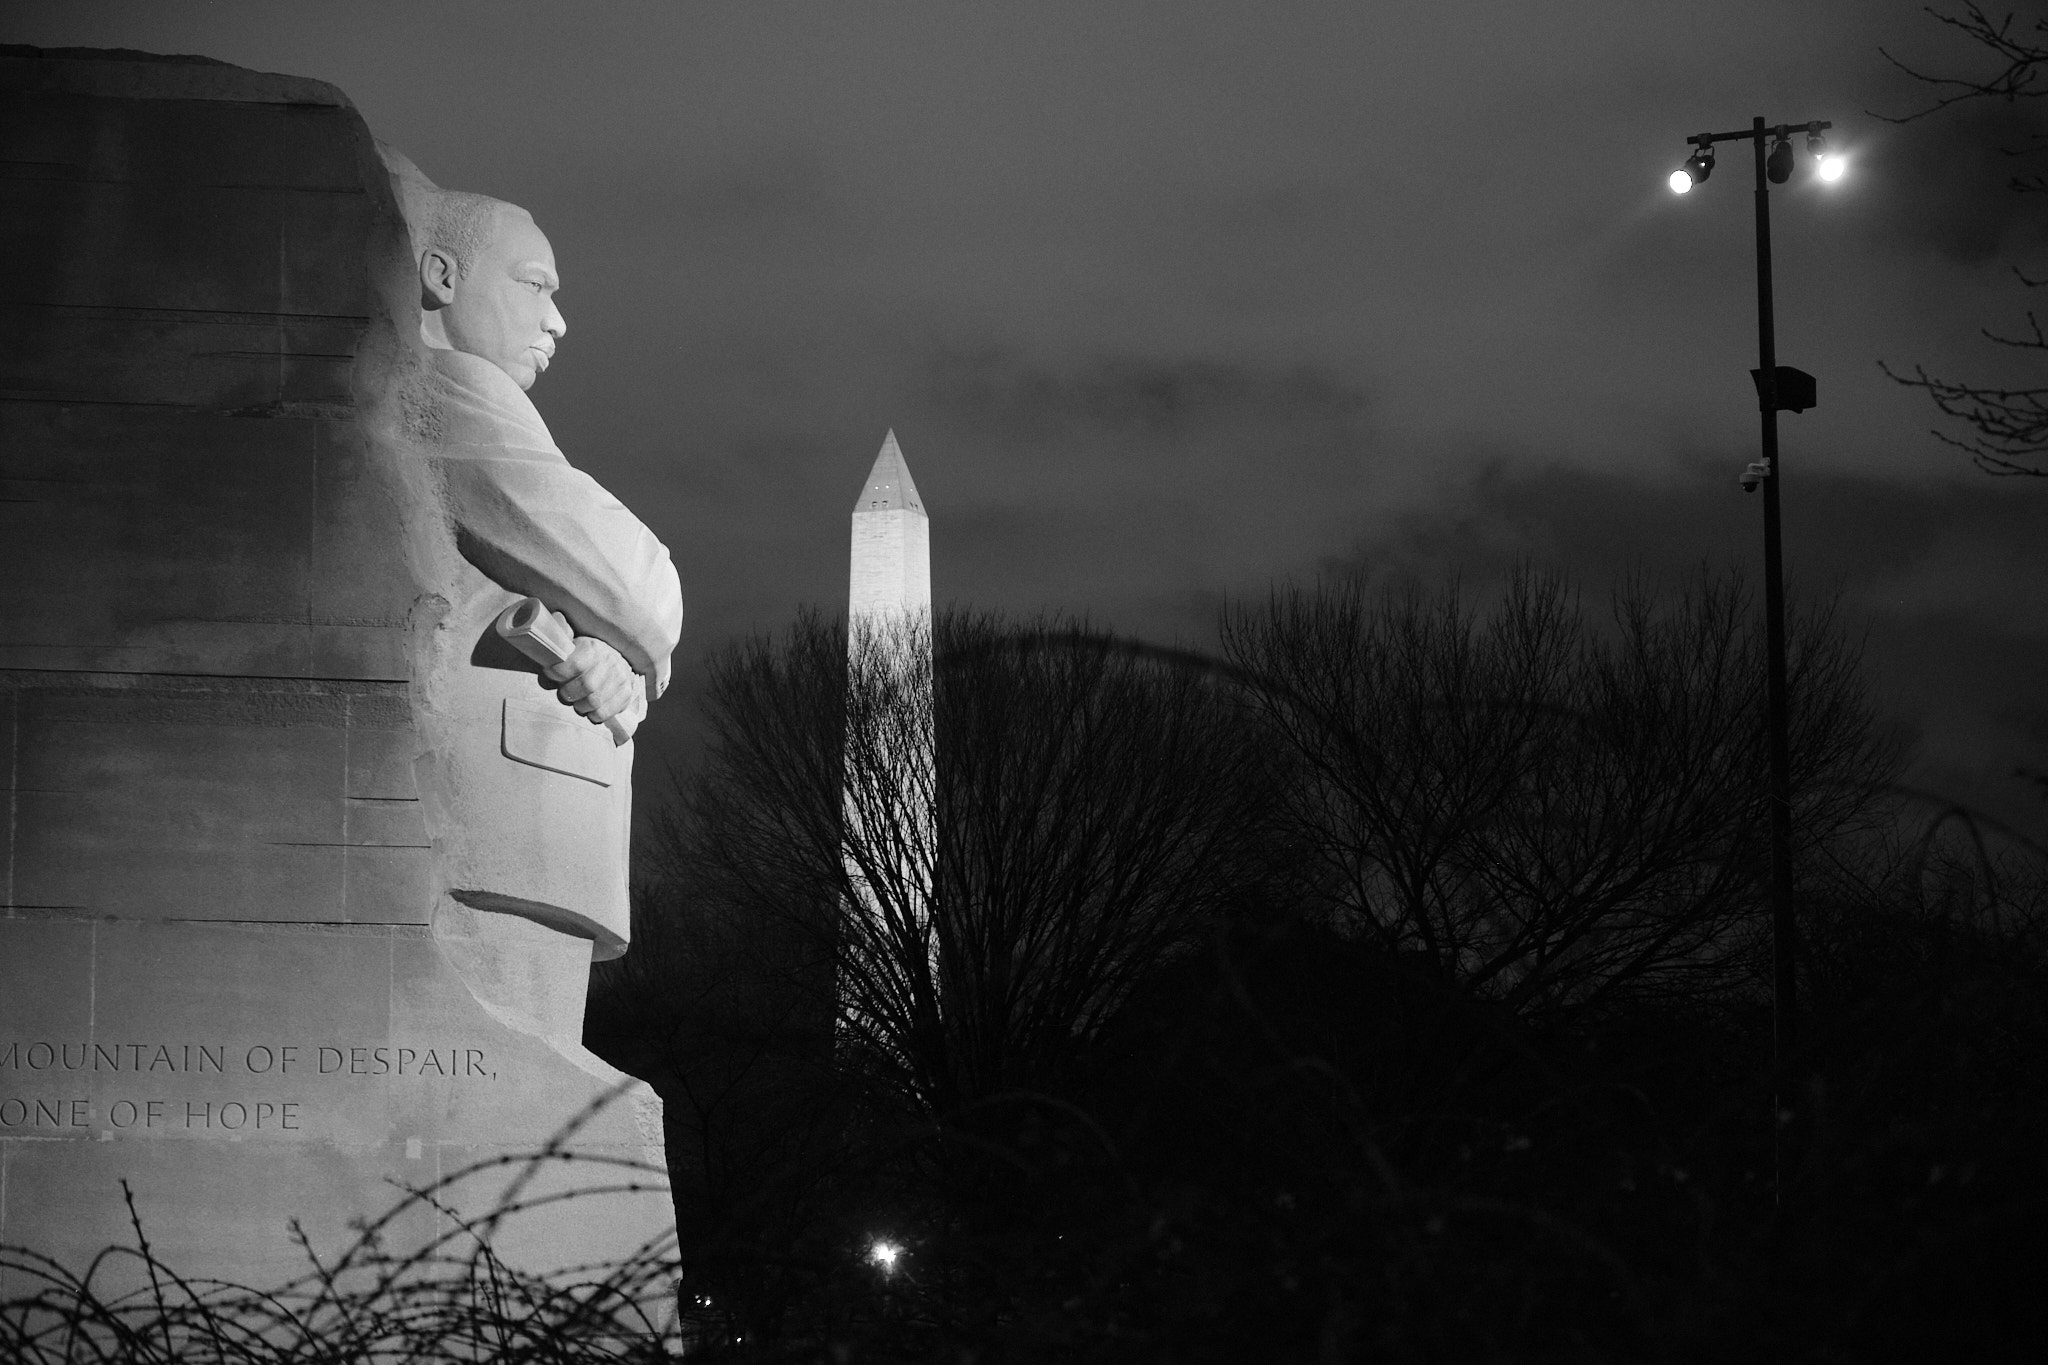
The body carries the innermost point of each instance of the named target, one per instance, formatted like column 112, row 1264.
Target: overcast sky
column 1168, row 301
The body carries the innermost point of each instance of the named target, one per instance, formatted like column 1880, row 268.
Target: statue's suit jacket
column 530, row 803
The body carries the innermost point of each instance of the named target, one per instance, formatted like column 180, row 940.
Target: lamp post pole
column 1776, row 389
column 1784, row 927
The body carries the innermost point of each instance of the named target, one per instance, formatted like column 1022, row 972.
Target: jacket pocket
column 547, row 734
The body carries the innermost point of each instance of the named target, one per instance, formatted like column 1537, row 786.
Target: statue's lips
column 540, row 357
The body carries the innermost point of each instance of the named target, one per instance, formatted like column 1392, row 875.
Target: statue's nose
column 555, row 326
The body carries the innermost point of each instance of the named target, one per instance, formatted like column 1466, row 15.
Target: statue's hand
column 595, row 679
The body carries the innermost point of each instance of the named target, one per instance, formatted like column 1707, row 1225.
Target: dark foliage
column 1554, row 815
column 1452, row 1043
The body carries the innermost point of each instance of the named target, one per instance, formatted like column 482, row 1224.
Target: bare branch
column 1554, row 816
column 2021, row 59
column 2011, row 425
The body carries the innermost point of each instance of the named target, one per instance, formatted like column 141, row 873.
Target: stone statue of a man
column 529, row 797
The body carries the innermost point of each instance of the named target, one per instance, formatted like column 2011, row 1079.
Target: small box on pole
column 1796, row 389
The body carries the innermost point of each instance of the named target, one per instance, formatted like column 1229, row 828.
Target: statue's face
column 504, row 308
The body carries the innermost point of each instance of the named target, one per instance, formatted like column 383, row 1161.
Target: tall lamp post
column 1778, row 387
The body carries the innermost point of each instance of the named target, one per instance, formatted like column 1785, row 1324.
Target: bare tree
column 896, row 902
column 961, row 927
column 1549, row 814
column 2008, row 426
column 1098, row 811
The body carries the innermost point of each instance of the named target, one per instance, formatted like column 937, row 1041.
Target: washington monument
column 891, row 581
column 890, row 769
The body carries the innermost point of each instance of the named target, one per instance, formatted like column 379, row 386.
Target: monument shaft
column 891, row 842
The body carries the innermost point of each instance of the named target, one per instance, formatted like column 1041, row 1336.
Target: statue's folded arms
column 551, row 531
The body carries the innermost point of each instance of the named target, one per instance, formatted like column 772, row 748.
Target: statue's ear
column 438, row 273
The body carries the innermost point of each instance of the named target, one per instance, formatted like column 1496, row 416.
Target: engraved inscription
column 31, row 1065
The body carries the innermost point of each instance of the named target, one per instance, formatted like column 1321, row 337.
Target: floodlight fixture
column 1696, row 169
column 1829, row 165
column 1778, row 166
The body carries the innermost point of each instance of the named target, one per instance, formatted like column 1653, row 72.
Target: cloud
column 1158, row 397
column 1943, row 183
column 1999, row 585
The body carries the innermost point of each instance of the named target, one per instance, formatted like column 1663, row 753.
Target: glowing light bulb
column 1832, row 166
column 1681, row 183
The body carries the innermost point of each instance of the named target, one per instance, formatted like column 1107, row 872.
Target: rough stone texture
column 231, row 971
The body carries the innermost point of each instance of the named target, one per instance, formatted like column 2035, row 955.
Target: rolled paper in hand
column 546, row 638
